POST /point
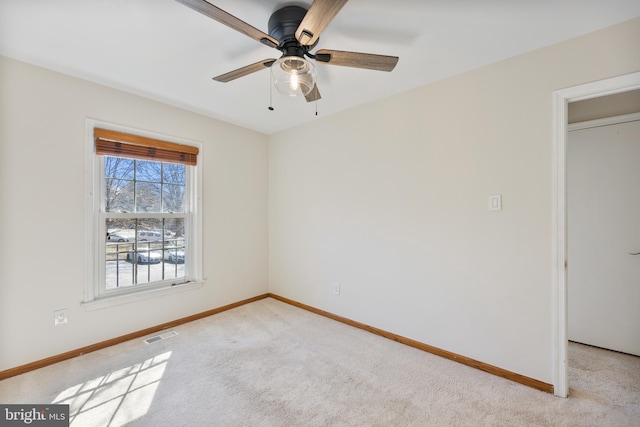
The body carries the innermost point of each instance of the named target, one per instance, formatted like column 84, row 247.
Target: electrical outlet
column 60, row 317
column 336, row 288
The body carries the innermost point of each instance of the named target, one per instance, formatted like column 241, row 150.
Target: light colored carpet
column 271, row 364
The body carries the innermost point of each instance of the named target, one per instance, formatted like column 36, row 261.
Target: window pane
column 148, row 171
column 173, row 173
column 118, row 167
column 174, row 228
column 120, row 230
column 173, row 198
column 118, row 195
column 148, row 197
column 150, row 229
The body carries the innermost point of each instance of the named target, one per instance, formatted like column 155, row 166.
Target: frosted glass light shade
column 293, row 75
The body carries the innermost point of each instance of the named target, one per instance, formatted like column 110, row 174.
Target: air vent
column 161, row 337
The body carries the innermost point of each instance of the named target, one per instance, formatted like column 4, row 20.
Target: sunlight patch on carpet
column 117, row 397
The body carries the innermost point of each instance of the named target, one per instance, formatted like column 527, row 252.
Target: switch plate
column 336, row 288
column 60, row 317
column 495, row 202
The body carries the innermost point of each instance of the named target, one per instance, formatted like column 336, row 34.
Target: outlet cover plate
column 60, row 317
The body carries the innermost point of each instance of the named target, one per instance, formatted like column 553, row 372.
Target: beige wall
column 391, row 201
column 42, row 129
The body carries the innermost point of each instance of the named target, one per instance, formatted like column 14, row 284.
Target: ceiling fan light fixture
column 293, row 75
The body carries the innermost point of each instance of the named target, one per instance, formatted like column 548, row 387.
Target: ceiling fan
column 294, row 31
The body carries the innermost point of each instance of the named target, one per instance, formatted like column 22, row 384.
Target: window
column 144, row 221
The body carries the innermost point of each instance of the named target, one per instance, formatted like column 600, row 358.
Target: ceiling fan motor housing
column 283, row 24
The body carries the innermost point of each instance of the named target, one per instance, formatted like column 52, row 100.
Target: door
column 603, row 217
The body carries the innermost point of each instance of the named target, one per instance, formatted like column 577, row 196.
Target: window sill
column 112, row 301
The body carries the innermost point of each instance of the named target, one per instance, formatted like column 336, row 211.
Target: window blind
column 120, row 144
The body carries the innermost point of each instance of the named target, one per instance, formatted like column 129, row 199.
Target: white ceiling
column 163, row 50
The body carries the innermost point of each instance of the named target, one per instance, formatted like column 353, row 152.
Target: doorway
column 561, row 99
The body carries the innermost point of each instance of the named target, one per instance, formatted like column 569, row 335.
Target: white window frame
column 95, row 294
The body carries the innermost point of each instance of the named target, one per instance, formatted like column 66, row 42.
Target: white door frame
column 561, row 99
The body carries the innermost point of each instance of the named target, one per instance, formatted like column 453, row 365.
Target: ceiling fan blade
column 357, row 60
column 241, row 72
column 229, row 20
column 319, row 15
column 314, row 95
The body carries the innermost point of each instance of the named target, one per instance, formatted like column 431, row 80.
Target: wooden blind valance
column 113, row 143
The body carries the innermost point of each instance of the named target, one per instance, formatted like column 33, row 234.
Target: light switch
column 495, row 202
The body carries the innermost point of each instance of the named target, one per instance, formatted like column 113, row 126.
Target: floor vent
column 161, row 337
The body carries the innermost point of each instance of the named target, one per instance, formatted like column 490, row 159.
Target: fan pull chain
column 316, row 108
column 270, row 92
